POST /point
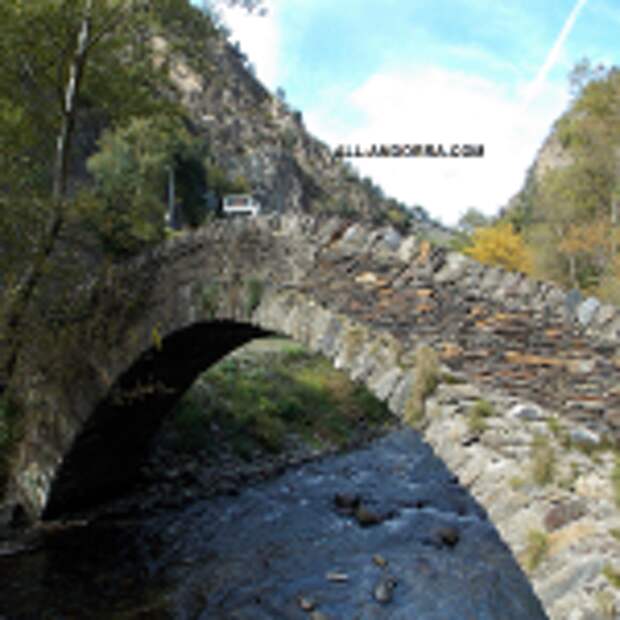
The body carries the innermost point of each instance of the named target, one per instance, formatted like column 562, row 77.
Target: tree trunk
column 17, row 311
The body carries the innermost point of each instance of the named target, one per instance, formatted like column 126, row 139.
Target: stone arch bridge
column 366, row 297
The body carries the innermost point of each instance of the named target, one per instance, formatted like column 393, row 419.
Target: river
column 381, row 532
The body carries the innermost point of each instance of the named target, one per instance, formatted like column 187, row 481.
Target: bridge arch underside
column 105, row 455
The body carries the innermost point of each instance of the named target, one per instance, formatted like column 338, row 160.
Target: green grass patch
column 516, row 483
column 477, row 416
column 254, row 294
column 450, row 379
column 555, row 428
column 612, row 575
column 536, row 549
column 542, row 456
column 256, row 398
column 426, row 380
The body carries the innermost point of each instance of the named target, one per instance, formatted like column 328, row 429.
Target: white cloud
column 426, row 105
column 259, row 39
column 432, row 105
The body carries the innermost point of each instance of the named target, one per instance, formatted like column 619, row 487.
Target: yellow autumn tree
column 501, row 246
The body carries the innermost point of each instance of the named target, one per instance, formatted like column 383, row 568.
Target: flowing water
column 383, row 532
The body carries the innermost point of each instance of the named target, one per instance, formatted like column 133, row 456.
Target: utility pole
column 171, row 219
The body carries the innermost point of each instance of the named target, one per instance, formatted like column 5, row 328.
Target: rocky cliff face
column 550, row 156
column 253, row 134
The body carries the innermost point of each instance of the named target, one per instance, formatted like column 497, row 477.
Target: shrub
column 426, row 380
column 542, row 458
column 536, row 549
column 612, row 575
column 477, row 415
column 516, row 483
column 615, row 532
column 209, row 299
column 254, row 290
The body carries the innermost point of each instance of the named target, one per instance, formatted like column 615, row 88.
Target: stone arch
column 366, row 298
column 109, row 447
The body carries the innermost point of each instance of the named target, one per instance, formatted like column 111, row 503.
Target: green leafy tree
column 132, row 171
column 68, row 69
column 577, row 203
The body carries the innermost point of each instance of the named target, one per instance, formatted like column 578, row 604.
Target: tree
column 68, row 68
column 51, row 54
column 576, row 205
column 500, row 245
column 471, row 220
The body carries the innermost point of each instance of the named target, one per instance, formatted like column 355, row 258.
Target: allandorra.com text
column 410, row 150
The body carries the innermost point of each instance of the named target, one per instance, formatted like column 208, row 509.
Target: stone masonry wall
column 543, row 362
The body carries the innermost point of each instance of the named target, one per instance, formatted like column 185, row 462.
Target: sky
column 366, row 72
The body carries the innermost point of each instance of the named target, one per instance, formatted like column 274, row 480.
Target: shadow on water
column 402, row 540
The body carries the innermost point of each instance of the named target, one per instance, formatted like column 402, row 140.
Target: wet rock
column 367, row 517
column 445, row 536
column 347, row 503
column 384, row 590
column 306, row 603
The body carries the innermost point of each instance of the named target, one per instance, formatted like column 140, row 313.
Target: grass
column 542, row 457
column 209, row 295
column 254, row 294
column 556, row 429
column 426, row 380
column 536, row 549
column 606, row 604
column 615, row 532
column 516, row 483
column 255, row 400
column 612, row 575
column 615, row 480
column 477, row 416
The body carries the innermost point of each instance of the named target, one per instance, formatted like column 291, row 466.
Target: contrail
column 553, row 55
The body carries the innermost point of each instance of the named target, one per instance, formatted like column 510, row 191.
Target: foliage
column 131, row 172
column 536, row 549
column 190, row 424
column 501, row 246
column 570, row 213
column 257, row 399
column 477, row 415
column 254, row 290
column 542, row 457
column 208, row 299
column 467, row 224
column 220, row 182
column 426, row 379
column 612, row 575
column 67, row 68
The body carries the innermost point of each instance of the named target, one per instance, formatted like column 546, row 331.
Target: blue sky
column 410, row 71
